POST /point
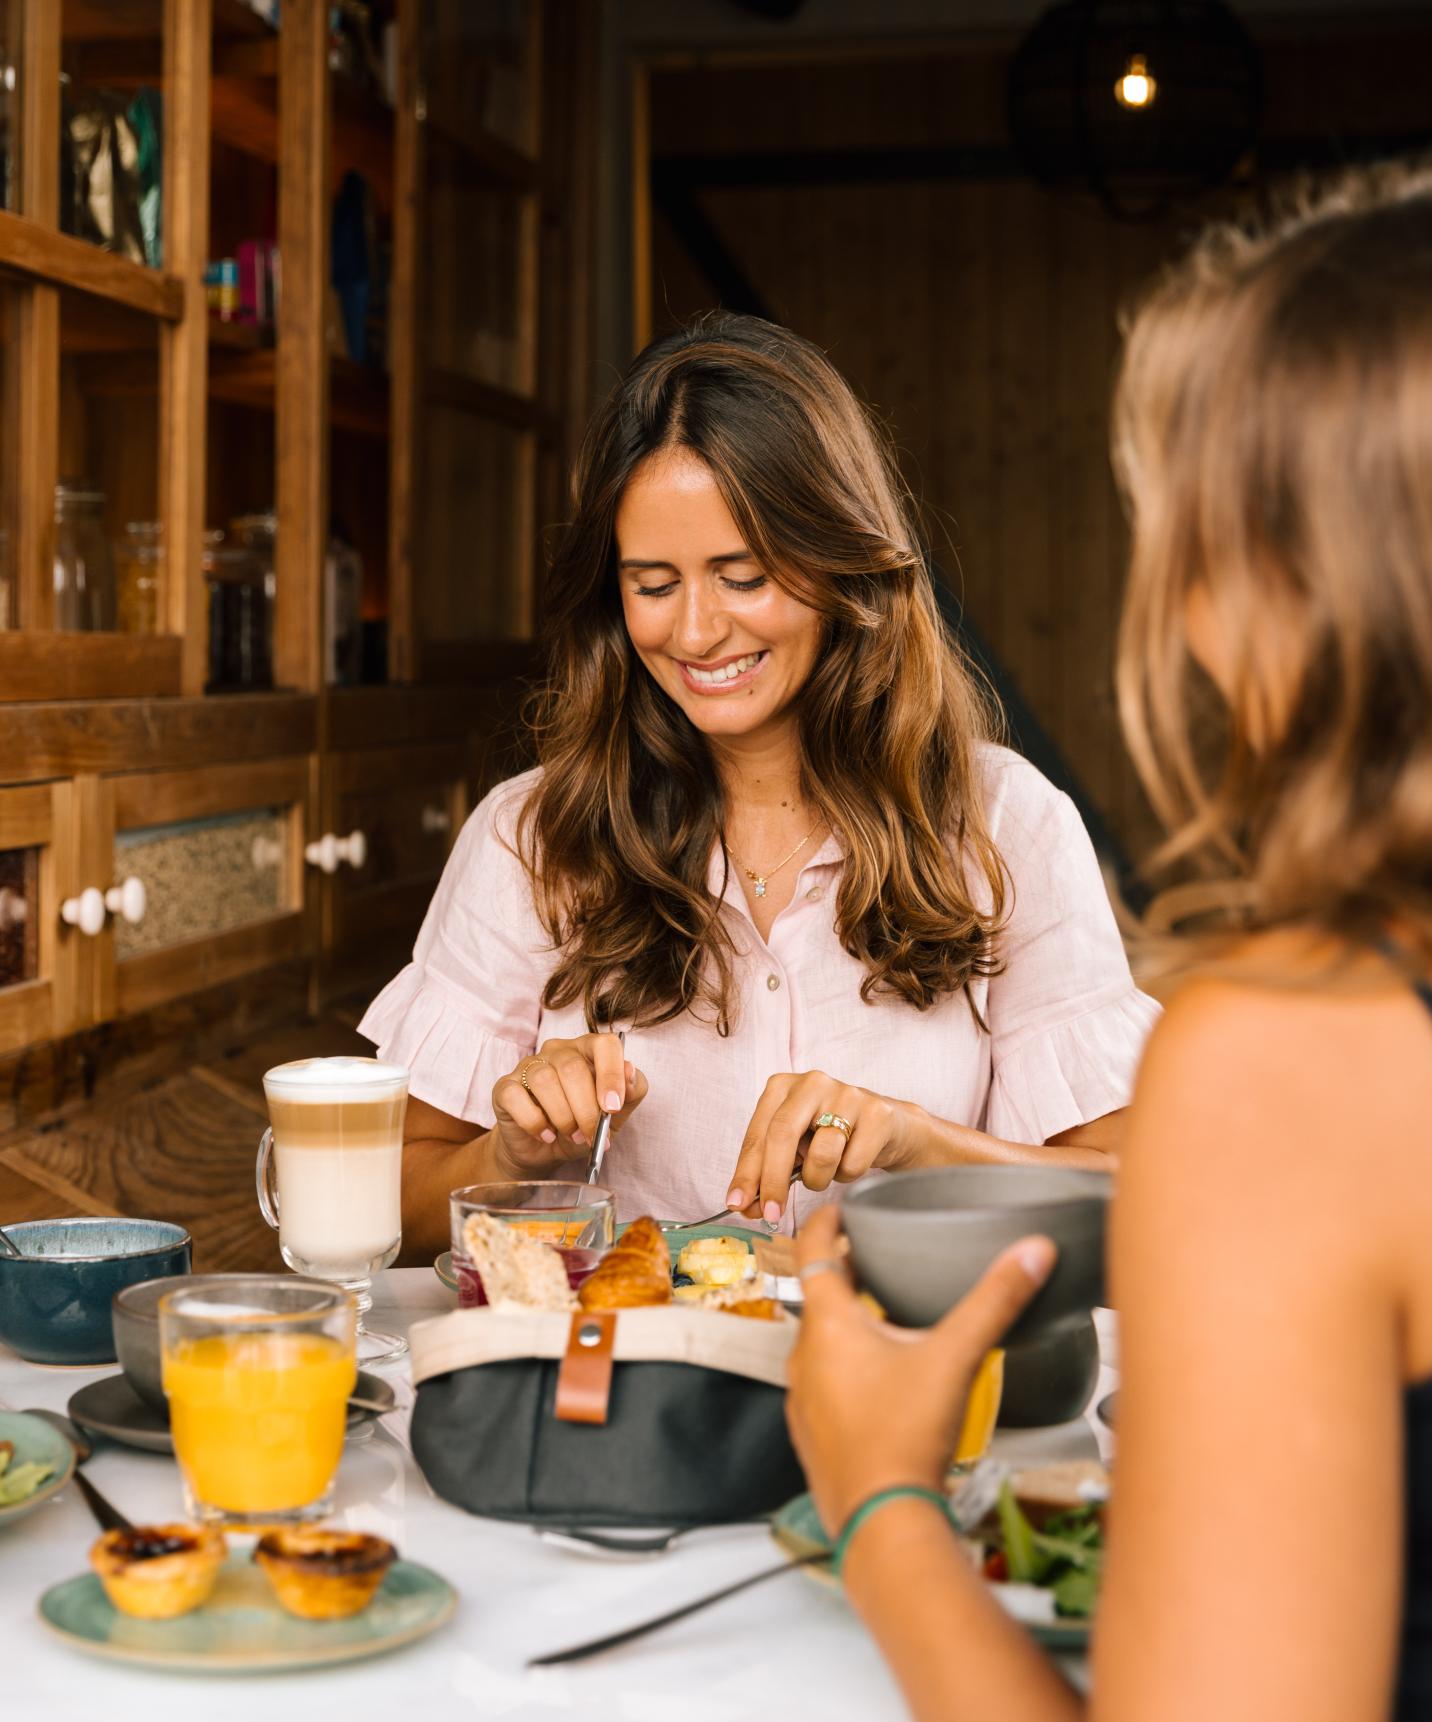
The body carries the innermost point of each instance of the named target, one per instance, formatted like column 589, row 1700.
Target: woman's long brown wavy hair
column 1273, row 435
column 619, row 834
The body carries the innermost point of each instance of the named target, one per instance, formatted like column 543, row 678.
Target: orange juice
column 981, row 1410
column 258, row 1418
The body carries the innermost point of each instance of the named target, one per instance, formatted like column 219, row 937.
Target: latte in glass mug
column 336, row 1129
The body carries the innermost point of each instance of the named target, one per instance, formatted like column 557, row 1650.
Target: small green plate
column 442, row 1267
column 35, row 1440
column 798, row 1530
column 242, row 1630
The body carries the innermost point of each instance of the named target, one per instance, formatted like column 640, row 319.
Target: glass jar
column 343, row 613
column 136, row 578
column 238, row 617
column 84, row 568
column 258, row 534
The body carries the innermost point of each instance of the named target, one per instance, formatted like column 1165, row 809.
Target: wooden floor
column 180, row 1149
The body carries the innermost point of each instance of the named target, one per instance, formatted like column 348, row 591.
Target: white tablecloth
column 790, row 1648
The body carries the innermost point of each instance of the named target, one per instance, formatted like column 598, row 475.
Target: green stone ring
column 833, row 1121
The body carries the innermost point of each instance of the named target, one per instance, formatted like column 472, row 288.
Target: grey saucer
column 111, row 1407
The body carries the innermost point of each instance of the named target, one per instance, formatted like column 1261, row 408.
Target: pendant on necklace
column 760, row 887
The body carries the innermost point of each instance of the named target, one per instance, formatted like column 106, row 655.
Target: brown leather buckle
column 584, row 1382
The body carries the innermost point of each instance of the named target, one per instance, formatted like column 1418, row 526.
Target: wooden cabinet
column 406, row 806
column 426, row 451
column 42, row 966
column 209, row 876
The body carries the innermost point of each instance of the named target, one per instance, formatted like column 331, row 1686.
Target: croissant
column 636, row 1271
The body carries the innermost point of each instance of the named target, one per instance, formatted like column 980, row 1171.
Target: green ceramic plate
column 35, row 1440
column 242, row 1629
column 797, row 1528
column 442, row 1267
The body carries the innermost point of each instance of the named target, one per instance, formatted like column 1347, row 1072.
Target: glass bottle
column 84, row 568
column 136, row 576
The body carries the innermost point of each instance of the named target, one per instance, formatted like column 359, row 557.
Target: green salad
column 19, row 1482
column 1066, row 1557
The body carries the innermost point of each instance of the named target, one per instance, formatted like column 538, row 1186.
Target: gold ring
column 833, row 1121
column 826, row 1264
column 531, row 1064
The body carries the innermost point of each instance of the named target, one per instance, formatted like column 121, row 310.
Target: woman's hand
column 872, row 1405
column 552, row 1116
column 780, row 1140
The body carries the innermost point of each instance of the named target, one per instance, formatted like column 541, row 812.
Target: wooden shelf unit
column 220, row 418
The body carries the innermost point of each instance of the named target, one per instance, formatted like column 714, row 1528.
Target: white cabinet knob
column 85, row 911
column 329, row 850
column 323, row 854
column 129, row 899
column 436, row 819
column 14, row 910
column 267, row 852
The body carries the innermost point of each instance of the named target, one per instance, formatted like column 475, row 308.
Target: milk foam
column 333, row 1080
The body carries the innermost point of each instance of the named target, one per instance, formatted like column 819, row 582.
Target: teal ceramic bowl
column 55, row 1297
column 35, row 1441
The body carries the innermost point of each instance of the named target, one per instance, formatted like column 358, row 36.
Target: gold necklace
column 759, row 879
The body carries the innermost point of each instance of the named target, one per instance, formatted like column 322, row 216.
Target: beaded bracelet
column 872, row 1504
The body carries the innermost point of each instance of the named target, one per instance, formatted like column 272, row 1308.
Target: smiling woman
column 769, row 838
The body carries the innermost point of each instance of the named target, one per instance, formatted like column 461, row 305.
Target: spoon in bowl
column 8, row 1247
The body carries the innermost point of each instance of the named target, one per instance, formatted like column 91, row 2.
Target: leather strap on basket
column 584, row 1382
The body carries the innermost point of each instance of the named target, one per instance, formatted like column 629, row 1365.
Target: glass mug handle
column 267, row 1185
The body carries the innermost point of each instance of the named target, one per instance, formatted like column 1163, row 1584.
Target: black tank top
column 1414, row 1683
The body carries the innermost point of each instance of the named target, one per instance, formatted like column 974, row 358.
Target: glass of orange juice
column 258, row 1371
column 981, row 1412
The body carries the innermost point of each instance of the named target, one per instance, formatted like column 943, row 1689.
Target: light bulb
column 1138, row 86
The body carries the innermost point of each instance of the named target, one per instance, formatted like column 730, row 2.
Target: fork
column 603, row 1131
column 710, row 1220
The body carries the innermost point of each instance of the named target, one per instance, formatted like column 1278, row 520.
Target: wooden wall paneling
column 303, row 370
column 959, row 479
column 643, row 310
column 1020, row 358
column 407, row 350
column 184, row 346
column 1086, row 551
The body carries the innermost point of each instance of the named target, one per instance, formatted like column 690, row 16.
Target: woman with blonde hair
column 1270, row 1542
column 767, row 838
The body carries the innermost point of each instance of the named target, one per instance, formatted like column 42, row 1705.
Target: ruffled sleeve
column 1067, row 1024
column 466, row 1009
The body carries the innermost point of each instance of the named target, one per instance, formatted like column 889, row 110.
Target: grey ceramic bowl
column 920, row 1240
column 55, row 1296
column 136, row 1330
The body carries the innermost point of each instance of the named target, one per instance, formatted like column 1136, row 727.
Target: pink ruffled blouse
column 1066, row 1023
